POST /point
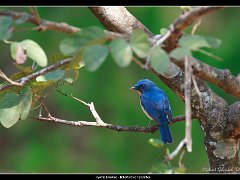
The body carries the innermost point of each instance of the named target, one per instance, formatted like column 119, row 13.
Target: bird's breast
column 145, row 111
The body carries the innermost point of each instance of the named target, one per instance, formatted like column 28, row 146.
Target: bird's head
column 143, row 85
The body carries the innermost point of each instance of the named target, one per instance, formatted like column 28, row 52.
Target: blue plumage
column 156, row 106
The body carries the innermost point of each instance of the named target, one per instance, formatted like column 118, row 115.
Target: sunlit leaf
column 163, row 30
column 69, row 46
column 33, row 50
column 76, row 62
column 194, row 42
column 56, row 57
column 26, row 101
column 15, row 106
column 10, row 109
column 94, row 35
column 121, row 52
column 139, row 43
column 180, row 53
column 51, row 76
column 5, row 27
column 71, row 76
column 159, row 60
column 94, row 56
column 155, row 142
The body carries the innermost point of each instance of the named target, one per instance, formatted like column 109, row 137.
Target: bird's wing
column 162, row 105
column 167, row 110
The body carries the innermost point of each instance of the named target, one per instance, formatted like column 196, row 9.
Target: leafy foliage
column 194, row 42
column 94, row 56
column 5, row 30
column 33, row 51
column 139, row 43
column 159, row 60
column 15, row 106
column 51, row 76
column 162, row 166
column 121, row 52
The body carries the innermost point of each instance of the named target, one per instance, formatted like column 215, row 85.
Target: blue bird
column 155, row 105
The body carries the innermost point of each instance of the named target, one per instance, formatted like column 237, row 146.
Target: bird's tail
column 165, row 133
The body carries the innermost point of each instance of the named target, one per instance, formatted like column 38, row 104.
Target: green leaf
column 180, row 53
column 5, row 25
column 71, row 76
column 76, row 62
column 159, row 60
column 25, row 69
column 155, row 142
column 121, row 52
column 139, row 43
column 26, row 101
column 56, row 57
column 69, row 46
column 194, row 42
column 163, row 30
column 94, row 56
column 13, row 49
column 10, row 109
column 51, row 76
column 34, row 51
column 93, row 34
column 38, row 87
column 15, row 106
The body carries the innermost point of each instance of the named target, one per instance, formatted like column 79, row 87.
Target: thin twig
column 35, row 13
column 13, row 83
column 209, row 54
column 181, row 145
column 198, row 91
column 187, row 95
column 180, row 162
column 135, row 128
column 99, row 122
column 196, row 26
column 184, row 21
column 23, row 81
column 229, row 83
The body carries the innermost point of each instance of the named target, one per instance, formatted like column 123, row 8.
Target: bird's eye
column 142, row 86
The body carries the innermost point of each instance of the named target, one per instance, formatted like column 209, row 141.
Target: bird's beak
column 133, row 88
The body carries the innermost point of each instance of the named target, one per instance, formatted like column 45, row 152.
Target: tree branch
column 44, row 25
column 13, row 83
column 187, row 95
column 118, row 19
column 184, row 21
column 62, row 27
column 233, row 122
column 150, row 129
column 221, row 78
column 23, row 81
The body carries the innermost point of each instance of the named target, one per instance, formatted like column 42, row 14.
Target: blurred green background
column 33, row 146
